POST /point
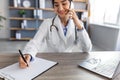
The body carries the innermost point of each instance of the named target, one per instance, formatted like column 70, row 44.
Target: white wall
column 119, row 18
column 118, row 42
column 105, row 37
column 4, row 31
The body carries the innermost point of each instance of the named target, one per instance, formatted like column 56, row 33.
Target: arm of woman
column 82, row 35
column 34, row 45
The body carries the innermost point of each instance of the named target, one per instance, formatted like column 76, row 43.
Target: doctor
column 63, row 33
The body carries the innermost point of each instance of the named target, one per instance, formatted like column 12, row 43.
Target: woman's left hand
column 72, row 14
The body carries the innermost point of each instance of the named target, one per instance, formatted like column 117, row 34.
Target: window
column 105, row 11
column 111, row 13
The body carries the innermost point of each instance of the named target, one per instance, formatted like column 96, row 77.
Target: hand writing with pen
column 24, row 60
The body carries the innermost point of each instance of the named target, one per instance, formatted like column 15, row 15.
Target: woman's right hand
column 22, row 63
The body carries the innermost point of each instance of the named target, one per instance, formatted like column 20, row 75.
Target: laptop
column 107, row 66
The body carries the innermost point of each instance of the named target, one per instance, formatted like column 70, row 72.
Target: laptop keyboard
column 98, row 66
column 105, row 69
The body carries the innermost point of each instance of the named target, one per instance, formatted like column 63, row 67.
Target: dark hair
column 53, row 2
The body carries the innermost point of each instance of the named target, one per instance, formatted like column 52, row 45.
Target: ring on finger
column 71, row 15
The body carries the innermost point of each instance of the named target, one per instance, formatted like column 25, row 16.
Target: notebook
column 109, row 67
column 37, row 67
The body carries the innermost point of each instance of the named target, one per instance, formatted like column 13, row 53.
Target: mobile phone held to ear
column 72, row 5
column 70, row 8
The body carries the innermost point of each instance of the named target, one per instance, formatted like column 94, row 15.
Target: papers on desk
column 37, row 67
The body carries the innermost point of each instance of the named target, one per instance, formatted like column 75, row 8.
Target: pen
column 23, row 57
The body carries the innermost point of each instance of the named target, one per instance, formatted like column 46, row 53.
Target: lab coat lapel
column 57, row 22
column 71, row 28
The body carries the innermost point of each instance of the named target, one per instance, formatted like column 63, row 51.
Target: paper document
column 37, row 67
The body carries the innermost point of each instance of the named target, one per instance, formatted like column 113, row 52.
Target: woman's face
column 61, row 7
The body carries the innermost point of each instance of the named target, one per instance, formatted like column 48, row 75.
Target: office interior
column 103, row 27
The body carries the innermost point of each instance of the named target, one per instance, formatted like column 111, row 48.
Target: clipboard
column 37, row 67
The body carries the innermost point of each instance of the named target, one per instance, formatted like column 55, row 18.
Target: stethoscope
column 52, row 25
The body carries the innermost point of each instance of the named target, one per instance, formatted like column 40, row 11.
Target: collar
column 70, row 28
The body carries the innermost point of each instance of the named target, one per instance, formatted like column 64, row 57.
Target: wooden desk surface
column 67, row 69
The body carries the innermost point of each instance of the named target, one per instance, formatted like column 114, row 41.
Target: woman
column 51, row 36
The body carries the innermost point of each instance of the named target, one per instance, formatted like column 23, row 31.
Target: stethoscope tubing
column 52, row 25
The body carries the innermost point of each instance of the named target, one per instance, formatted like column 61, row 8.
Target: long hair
column 53, row 2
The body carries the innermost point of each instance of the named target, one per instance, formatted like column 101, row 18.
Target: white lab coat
column 55, row 41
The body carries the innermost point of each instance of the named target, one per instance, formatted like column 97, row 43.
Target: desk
column 67, row 68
